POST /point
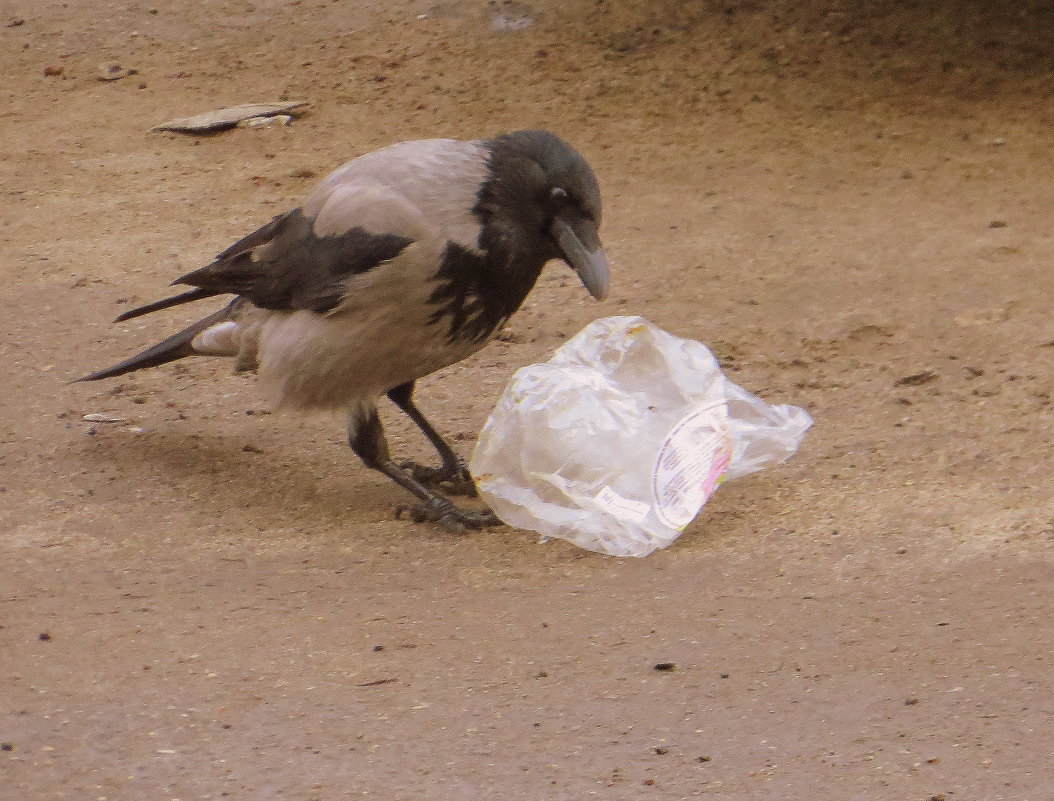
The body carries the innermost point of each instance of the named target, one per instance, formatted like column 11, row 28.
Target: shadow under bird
column 401, row 262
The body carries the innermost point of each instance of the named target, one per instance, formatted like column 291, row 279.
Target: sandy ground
column 208, row 602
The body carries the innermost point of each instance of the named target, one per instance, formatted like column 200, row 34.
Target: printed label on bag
column 691, row 463
column 621, row 506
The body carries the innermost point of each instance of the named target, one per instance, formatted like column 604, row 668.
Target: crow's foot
column 449, row 479
column 450, row 517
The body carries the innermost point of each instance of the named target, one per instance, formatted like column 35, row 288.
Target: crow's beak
column 580, row 248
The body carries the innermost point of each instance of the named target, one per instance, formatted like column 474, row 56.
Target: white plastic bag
column 619, row 439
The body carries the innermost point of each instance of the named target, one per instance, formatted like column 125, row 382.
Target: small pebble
column 917, row 379
column 666, row 666
column 114, row 72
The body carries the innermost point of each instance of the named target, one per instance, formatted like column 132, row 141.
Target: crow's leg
column 366, row 438
column 452, row 475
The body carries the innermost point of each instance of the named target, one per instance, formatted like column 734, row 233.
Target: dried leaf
column 229, row 117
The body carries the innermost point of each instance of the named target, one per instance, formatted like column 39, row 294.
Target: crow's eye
column 558, row 195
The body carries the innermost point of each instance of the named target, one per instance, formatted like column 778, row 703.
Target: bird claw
column 451, row 481
column 454, row 520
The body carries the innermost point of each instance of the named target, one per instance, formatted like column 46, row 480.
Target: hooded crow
column 401, row 262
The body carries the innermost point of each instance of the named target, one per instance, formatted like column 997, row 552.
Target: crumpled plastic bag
column 619, row 439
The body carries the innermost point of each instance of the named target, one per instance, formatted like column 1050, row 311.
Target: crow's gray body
column 401, row 262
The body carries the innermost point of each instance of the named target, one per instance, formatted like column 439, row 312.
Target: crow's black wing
column 285, row 265
column 293, row 267
column 258, row 237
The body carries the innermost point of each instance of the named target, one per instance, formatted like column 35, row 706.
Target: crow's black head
column 541, row 201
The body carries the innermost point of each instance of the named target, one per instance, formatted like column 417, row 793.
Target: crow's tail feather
column 157, row 305
column 177, row 346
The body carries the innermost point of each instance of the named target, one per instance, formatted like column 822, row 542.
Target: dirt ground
column 850, row 203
